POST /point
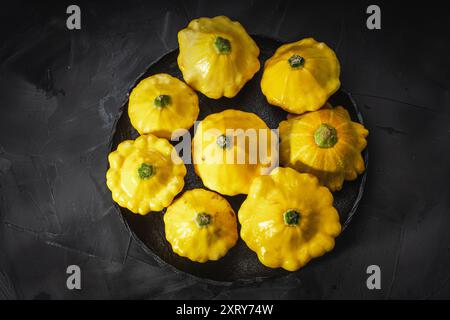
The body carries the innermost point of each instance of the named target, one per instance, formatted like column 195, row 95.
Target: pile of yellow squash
column 288, row 216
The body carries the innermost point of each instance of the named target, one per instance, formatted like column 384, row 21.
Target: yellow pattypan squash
column 227, row 151
column 145, row 174
column 301, row 76
column 288, row 219
column 161, row 104
column 325, row 143
column 217, row 56
column 201, row 225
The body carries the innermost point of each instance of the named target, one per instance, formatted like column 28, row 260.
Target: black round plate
column 240, row 263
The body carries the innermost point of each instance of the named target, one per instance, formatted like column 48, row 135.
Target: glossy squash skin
column 325, row 143
column 301, row 76
column 288, row 219
column 231, row 148
column 217, row 56
column 145, row 174
column 161, row 105
column 201, row 225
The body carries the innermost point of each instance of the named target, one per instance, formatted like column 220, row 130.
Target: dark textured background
column 60, row 96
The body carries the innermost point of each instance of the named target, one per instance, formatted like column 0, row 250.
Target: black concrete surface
column 60, row 96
